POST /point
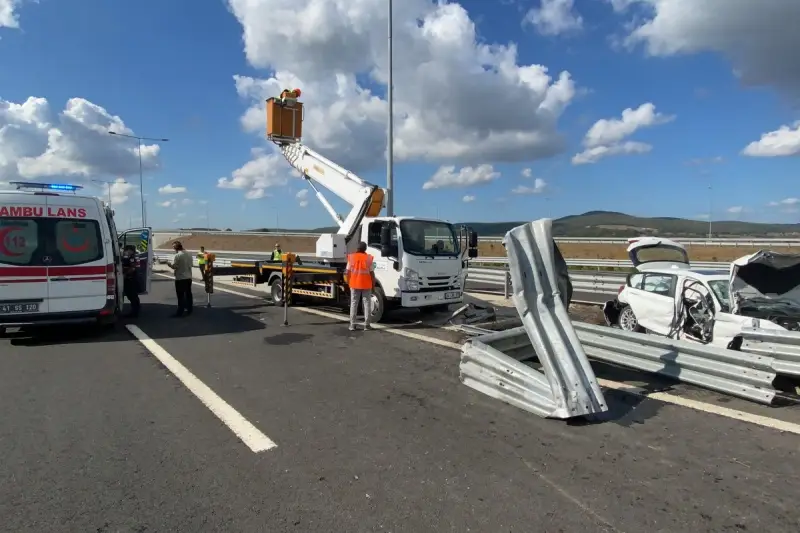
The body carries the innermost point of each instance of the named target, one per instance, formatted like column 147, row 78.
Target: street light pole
column 390, row 128
column 107, row 184
column 141, row 176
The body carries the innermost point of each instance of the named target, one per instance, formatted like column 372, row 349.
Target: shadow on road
column 156, row 320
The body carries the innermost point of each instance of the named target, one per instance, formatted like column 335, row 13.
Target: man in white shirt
column 182, row 265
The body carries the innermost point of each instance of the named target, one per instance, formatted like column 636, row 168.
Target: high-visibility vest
column 201, row 259
column 276, row 255
column 359, row 266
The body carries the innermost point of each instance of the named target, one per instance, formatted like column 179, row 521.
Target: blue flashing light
column 46, row 186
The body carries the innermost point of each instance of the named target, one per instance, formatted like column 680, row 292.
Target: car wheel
column 627, row 320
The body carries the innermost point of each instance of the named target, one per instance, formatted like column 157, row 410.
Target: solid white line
column 241, row 427
column 763, row 421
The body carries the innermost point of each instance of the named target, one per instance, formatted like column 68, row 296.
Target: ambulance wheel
column 378, row 305
column 276, row 292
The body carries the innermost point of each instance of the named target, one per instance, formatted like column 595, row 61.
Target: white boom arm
column 320, row 170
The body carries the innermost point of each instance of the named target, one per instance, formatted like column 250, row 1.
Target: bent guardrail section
column 745, row 375
column 782, row 346
column 567, row 387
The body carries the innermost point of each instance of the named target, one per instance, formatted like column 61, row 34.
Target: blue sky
column 166, row 69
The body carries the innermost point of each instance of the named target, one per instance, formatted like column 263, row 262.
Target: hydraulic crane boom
column 365, row 198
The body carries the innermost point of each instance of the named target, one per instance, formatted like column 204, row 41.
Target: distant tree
column 228, row 229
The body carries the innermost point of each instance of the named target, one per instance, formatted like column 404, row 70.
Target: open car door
column 142, row 240
column 649, row 253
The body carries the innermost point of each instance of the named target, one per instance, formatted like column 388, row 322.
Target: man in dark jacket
column 130, row 286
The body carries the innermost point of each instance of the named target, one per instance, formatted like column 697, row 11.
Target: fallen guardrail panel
column 782, row 346
column 567, row 387
column 740, row 374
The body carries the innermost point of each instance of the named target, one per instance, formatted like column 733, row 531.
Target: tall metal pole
column 141, row 178
column 390, row 132
column 141, row 183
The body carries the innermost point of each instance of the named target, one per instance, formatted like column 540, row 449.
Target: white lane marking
column 241, row 427
column 743, row 416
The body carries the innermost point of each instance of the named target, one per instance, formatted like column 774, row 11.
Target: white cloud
column 325, row 47
column 258, row 175
column 447, row 176
column 255, row 194
column 76, row 143
column 539, row 186
column 759, row 38
column 468, row 198
column 171, row 189
column 786, row 202
column 554, row 17
column 736, row 210
column 607, row 136
column 526, row 172
column 168, row 203
column 8, row 15
column 785, row 141
column 121, row 191
column 302, row 197
column 187, row 201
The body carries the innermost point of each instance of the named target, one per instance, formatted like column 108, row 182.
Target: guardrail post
column 507, row 285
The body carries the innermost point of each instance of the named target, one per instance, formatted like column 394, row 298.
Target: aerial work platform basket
column 285, row 118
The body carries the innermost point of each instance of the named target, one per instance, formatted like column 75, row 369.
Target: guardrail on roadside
column 719, row 241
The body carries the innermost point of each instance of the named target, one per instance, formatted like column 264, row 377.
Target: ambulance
column 60, row 258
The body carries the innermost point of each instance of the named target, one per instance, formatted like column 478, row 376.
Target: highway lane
column 373, row 430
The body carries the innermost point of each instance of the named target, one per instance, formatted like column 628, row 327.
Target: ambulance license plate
column 12, row 309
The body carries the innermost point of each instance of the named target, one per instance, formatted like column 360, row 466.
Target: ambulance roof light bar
column 46, row 186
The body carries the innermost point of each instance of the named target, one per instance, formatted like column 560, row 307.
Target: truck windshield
column 429, row 238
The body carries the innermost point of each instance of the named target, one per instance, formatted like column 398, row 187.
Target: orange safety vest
column 359, row 265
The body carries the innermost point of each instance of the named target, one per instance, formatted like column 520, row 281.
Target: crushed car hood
column 767, row 283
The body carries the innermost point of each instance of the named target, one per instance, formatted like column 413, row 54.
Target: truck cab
column 419, row 262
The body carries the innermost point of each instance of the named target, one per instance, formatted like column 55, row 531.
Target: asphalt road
column 374, row 432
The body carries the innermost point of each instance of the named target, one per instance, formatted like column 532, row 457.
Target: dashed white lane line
column 763, row 421
column 241, row 427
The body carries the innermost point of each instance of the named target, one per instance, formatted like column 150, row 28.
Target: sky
column 503, row 110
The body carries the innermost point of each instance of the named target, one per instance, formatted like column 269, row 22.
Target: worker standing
column 201, row 261
column 277, row 254
column 130, row 280
column 360, row 276
column 182, row 265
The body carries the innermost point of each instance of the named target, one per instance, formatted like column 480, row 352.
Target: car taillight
column 620, row 288
column 111, row 279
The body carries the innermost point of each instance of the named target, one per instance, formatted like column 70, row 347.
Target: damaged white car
column 667, row 297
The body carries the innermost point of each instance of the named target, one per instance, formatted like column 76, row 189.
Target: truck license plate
column 11, row 309
column 451, row 295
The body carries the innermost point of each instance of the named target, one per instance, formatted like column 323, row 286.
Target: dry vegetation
column 305, row 245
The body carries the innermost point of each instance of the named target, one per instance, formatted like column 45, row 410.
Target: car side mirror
column 472, row 253
column 473, row 239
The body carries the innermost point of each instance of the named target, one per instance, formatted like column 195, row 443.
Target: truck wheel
column 378, row 305
column 276, row 292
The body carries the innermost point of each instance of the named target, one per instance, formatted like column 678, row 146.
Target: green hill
column 613, row 224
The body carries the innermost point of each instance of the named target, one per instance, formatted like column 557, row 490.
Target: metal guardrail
column 741, row 374
column 605, row 284
column 782, row 346
column 720, row 241
column 566, row 387
column 606, row 263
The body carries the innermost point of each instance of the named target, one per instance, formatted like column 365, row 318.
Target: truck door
column 23, row 263
column 142, row 240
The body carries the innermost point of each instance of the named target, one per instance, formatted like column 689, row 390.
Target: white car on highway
column 667, row 297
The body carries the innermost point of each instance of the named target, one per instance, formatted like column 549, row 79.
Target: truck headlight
column 412, row 285
column 411, row 275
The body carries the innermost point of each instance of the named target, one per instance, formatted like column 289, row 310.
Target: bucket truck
column 419, row 262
